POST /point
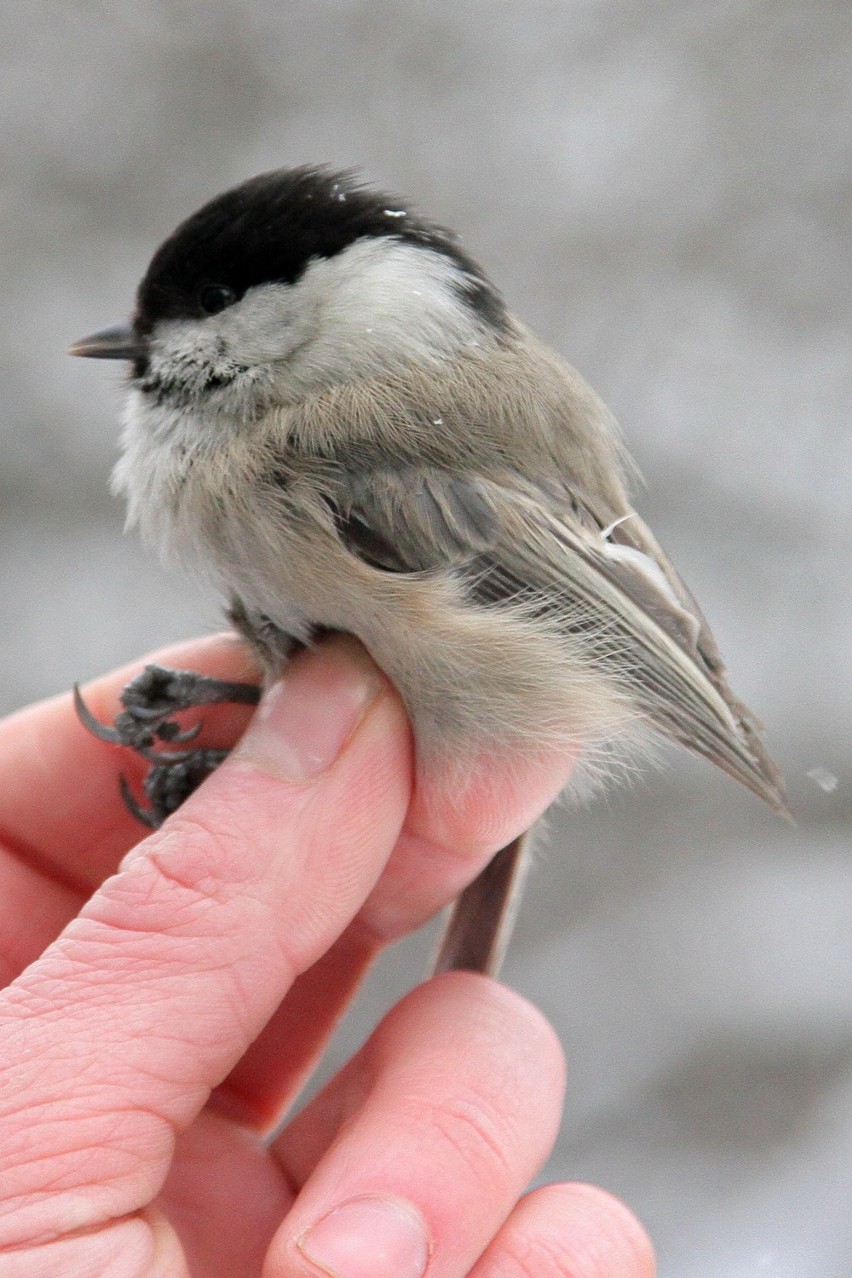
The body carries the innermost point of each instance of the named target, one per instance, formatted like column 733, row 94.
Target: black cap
column 269, row 228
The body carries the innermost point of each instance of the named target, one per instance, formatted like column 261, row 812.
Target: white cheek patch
column 379, row 304
column 251, row 334
column 376, row 307
column 264, row 326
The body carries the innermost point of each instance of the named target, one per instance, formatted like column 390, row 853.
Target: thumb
column 148, row 998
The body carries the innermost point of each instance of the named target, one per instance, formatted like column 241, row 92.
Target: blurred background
column 662, row 190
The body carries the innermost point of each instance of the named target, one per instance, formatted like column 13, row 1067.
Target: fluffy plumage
column 333, row 413
column 363, row 438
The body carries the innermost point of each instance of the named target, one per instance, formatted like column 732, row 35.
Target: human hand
column 168, row 996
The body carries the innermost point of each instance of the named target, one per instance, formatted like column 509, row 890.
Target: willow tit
column 332, row 413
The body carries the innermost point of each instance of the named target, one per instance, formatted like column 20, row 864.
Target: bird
column 333, row 414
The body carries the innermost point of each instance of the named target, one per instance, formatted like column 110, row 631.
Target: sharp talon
column 145, row 815
column 91, row 724
column 149, row 714
column 144, row 726
column 169, row 731
column 152, row 755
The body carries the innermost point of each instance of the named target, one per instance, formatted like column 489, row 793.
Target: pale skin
column 165, row 996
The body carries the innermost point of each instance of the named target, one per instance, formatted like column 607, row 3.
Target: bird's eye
column 216, row 297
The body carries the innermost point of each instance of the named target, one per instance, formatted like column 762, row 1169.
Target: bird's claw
column 145, row 725
column 138, row 726
column 169, row 783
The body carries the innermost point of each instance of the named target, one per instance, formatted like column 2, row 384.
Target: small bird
column 333, row 414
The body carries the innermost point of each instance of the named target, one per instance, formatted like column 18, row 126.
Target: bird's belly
column 475, row 680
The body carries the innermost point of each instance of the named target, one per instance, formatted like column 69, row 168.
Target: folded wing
column 543, row 545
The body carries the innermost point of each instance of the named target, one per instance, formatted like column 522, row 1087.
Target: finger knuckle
column 527, row 1255
column 476, row 1134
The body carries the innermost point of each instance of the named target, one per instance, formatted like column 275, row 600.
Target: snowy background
column 662, row 191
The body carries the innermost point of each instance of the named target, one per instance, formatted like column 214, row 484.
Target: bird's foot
column 146, row 726
column 169, row 783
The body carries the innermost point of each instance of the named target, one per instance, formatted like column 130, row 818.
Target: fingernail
column 306, row 718
column 368, row 1238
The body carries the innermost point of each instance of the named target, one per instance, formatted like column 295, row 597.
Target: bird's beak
column 113, row 343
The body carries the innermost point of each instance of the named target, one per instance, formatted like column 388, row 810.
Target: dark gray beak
column 112, row 343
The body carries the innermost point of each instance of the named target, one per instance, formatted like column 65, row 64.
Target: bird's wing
column 544, row 545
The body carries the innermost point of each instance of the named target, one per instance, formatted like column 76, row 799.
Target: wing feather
column 514, row 542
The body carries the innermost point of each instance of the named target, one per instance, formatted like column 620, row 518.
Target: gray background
column 662, row 190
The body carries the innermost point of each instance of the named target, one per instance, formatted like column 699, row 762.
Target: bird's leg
column 146, row 726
